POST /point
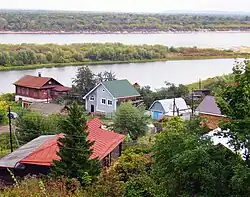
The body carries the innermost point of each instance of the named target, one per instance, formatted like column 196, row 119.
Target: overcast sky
column 129, row 5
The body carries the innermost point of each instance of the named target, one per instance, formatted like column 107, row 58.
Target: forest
column 52, row 21
column 21, row 55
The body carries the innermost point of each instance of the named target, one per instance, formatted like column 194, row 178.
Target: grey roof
column 209, row 106
column 12, row 159
column 120, row 88
column 47, row 108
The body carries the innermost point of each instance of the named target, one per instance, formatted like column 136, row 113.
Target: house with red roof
column 30, row 89
column 36, row 157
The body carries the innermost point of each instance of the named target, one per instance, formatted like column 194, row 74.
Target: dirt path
column 4, row 129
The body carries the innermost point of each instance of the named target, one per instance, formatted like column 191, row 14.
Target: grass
column 174, row 57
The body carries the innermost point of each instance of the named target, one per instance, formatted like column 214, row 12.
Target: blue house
column 169, row 108
column 107, row 96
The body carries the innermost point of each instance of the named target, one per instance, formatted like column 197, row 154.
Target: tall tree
column 130, row 120
column 184, row 164
column 234, row 102
column 85, row 81
column 75, row 149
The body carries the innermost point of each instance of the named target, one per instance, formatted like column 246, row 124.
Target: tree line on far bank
column 31, row 54
column 117, row 22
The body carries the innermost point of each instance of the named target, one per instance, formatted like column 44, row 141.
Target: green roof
column 120, row 88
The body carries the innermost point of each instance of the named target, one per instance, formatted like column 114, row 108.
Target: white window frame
column 105, row 101
column 92, row 97
column 108, row 102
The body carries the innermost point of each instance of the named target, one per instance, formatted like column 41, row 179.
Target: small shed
column 209, row 110
column 169, row 108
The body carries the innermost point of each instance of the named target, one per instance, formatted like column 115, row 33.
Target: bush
column 140, row 186
column 33, row 186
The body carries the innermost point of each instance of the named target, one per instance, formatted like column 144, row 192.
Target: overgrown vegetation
column 50, row 21
column 130, row 121
column 31, row 125
column 32, row 55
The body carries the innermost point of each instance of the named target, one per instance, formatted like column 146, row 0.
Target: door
column 156, row 115
column 92, row 108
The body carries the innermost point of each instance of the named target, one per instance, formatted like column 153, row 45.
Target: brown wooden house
column 30, row 89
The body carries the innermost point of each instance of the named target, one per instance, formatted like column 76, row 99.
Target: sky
column 129, row 5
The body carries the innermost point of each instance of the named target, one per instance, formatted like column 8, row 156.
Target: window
column 27, row 91
column 103, row 101
column 35, row 93
column 23, row 91
column 18, row 90
column 110, row 102
column 92, row 98
column 103, row 90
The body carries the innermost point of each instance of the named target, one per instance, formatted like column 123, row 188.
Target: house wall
column 157, row 107
column 99, row 94
column 33, row 93
column 89, row 102
column 212, row 121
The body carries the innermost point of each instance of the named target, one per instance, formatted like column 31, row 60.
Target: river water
column 153, row 74
column 200, row 39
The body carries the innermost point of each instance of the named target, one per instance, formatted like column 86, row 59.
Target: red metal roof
column 105, row 143
column 32, row 81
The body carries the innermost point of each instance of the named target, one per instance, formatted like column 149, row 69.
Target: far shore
column 96, row 63
column 122, row 32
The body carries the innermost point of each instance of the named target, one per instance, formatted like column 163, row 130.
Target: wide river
column 153, row 74
column 199, row 39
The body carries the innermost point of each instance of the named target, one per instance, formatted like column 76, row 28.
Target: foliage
column 86, row 80
column 234, row 102
column 130, row 120
column 140, row 186
column 123, row 172
column 32, row 124
column 5, row 143
column 75, row 150
column 184, row 164
column 8, row 97
column 108, row 184
column 130, row 165
column 170, row 91
column 35, row 186
column 214, row 84
column 61, row 21
column 32, row 55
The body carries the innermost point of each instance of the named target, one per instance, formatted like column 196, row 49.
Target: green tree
column 140, row 186
column 84, row 81
column 184, row 164
column 31, row 125
column 75, row 149
column 234, row 102
column 130, row 120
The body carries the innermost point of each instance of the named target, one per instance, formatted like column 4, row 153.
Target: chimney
column 39, row 74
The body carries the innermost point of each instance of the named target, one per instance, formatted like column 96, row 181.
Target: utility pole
column 174, row 107
column 47, row 96
column 11, row 143
column 192, row 102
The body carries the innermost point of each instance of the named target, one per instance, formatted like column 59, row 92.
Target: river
column 224, row 40
column 153, row 74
